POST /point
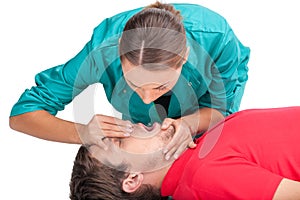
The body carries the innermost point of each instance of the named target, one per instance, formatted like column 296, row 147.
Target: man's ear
column 132, row 182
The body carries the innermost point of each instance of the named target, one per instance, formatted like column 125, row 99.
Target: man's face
column 145, row 139
column 142, row 150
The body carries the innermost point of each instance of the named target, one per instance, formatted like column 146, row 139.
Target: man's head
column 132, row 168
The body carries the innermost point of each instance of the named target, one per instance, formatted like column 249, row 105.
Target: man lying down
column 252, row 154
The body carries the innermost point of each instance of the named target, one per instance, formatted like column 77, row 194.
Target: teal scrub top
column 214, row 75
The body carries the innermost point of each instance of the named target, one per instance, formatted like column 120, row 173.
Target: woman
column 178, row 64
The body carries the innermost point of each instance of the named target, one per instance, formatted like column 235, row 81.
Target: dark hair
column 92, row 180
column 154, row 35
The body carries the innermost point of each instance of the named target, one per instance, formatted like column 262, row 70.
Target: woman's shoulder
column 112, row 26
column 196, row 10
column 200, row 18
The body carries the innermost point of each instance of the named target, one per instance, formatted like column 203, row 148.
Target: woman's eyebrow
column 162, row 85
column 132, row 84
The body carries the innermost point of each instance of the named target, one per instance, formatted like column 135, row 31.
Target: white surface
column 36, row 35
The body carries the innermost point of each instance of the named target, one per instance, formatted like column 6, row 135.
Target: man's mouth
column 143, row 131
column 149, row 128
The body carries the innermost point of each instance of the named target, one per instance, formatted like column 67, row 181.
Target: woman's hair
column 92, row 180
column 154, row 36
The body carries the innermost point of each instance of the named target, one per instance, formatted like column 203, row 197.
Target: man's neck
column 156, row 177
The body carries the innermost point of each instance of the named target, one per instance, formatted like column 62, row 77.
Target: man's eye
column 117, row 141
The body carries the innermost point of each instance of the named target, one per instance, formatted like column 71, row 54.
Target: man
column 252, row 154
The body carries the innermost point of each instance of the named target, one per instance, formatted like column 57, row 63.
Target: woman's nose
column 147, row 96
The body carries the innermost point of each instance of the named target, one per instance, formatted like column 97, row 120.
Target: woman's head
column 155, row 35
column 153, row 50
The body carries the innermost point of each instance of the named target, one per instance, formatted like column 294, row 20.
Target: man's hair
column 92, row 180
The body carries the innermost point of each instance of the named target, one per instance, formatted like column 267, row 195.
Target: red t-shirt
column 244, row 157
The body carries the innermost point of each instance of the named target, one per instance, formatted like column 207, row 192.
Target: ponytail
column 166, row 7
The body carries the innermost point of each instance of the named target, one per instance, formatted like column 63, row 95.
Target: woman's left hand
column 181, row 140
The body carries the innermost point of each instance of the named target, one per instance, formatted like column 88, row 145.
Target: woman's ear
column 186, row 54
column 132, row 182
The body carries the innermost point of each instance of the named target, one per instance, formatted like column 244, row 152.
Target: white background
column 36, row 35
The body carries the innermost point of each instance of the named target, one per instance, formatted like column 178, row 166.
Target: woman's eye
column 162, row 88
column 133, row 86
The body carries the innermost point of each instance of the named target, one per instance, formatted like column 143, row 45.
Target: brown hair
column 92, row 180
column 154, row 35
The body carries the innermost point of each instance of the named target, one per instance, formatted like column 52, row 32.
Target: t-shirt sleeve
column 229, row 74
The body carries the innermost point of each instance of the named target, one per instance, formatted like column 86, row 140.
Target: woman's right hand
column 102, row 126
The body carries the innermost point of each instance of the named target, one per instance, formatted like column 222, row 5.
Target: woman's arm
column 287, row 189
column 34, row 112
column 45, row 126
column 228, row 75
column 203, row 119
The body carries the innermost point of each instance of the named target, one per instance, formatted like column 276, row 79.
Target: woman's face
column 149, row 85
